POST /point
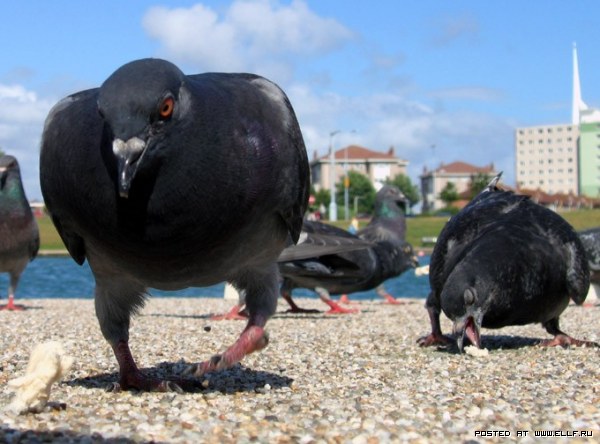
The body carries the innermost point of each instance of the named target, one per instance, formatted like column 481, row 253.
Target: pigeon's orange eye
column 166, row 108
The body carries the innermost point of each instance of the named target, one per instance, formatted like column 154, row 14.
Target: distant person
column 353, row 228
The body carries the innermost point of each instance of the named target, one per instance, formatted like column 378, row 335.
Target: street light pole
column 332, row 204
column 346, row 183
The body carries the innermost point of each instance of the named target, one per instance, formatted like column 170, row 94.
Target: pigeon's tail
column 492, row 185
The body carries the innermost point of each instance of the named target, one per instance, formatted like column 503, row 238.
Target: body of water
column 61, row 277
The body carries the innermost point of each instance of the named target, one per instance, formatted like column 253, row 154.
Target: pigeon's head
column 9, row 171
column 465, row 302
column 390, row 202
column 140, row 102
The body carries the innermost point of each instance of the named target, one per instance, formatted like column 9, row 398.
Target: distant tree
column 449, row 194
column 361, row 187
column 404, row 184
column 478, row 183
column 322, row 196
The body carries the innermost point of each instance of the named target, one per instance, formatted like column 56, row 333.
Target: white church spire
column 578, row 104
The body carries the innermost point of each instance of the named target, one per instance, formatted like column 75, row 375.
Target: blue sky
column 457, row 75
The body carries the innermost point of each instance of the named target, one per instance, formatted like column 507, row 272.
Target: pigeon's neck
column 388, row 210
column 12, row 197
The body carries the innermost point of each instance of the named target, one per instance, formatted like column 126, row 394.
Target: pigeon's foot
column 345, row 300
column 138, row 381
column 337, row 309
column 389, row 299
column 235, row 314
column 252, row 339
column 434, row 339
column 564, row 340
column 294, row 308
column 11, row 306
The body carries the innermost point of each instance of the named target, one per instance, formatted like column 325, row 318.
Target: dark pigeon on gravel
column 166, row 180
column 505, row 260
column 19, row 236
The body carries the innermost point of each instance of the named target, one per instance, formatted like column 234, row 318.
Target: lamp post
column 332, row 204
column 346, row 183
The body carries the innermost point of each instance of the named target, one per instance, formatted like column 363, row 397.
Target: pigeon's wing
column 558, row 232
column 378, row 232
column 313, row 245
column 279, row 131
column 59, row 144
column 323, row 270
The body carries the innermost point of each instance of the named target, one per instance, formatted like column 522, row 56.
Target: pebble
column 357, row 378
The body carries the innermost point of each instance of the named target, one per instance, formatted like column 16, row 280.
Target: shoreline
column 351, row 378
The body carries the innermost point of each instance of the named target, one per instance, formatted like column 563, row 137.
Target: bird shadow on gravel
column 234, row 380
column 497, row 342
column 278, row 315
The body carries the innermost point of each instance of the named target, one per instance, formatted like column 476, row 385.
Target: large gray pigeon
column 505, row 260
column 166, row 180
column 19, row 236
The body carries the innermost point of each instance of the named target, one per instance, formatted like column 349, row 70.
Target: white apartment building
column 547, row 158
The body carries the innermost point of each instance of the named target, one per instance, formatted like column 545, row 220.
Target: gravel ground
column 325, row 379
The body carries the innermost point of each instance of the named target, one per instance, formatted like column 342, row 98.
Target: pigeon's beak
column 469, row 326
column 128, row 157
column 414, row 261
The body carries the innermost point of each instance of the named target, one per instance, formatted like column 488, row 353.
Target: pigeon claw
column 564, row 340
column 252, row 339
column 139, row 381
column 434, row 339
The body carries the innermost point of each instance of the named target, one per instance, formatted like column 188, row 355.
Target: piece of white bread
column 48, row 363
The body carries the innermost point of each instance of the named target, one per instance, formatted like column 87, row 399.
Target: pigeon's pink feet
column 235, row 314
column 434, row 339
column 130, row 377
column 337, row 309
column 11, row 306
column 389, row 299
column 252, row 339
column 564, row 340
column 344, row 299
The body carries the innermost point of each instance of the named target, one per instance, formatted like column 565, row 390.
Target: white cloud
column 452, row 28
column 476, row 93
column 384, row 120
column 273, row 39
column 22, row 115
column 251, row 35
